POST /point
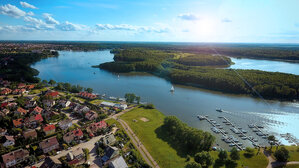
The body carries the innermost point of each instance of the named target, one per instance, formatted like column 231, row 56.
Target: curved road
column 273, row 163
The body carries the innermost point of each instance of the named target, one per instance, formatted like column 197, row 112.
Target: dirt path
column 146, row 155
column 273, row 163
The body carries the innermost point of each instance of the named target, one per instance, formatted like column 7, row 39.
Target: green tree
column 234, row 154
column 193, row 165
column 130, row 97
column 272, row 140
column 222, row 155
column 249, row 152
column 52, row 82
column 282, row 154
column 89, row 90
column 230, row 164
column 204, row 159
column 86, row 153
column 138, row 99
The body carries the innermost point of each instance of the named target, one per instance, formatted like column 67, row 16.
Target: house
column 5, row 91
column 33, row 121
column 2, row 131
column 29, row 87
column 49, row 144
column 30, row 104
column 75, row 156
column 19, row 91
column 107, row 104
column 48, row 114
column 15, row 157
column 118, row 162
column 21, row 85
column 51, row 162
column 21, row 111
column 49, row 129
column 49, row 103
column 53, row 94
column 121, row 106
column 80, row 109
column 37, row 110
column 5, row 111
column 18, row 122
column 30, row 133
column 73, row 135
column 87, row 95
column 8, row 141
column 110, row 153
column 109, row 139
column 65, row 124
column 91, row 115
column 64, row 103
column 94, row 127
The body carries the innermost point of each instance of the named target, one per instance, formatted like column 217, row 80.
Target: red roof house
column 21, row 111
column 49, row 129
column 18, row 122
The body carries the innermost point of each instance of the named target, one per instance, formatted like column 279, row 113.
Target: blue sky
column 270, row 21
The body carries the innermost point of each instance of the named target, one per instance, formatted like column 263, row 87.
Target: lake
column 265, row 65
column 185, row 103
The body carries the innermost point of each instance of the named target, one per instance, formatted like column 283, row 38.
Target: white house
column 9, row 141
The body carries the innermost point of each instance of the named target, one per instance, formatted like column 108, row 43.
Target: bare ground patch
column 144, row 119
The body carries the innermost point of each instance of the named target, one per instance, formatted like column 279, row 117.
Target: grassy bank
column 144, row 123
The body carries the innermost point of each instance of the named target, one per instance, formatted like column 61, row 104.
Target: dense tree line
column 184, row 71
column 204, row 60
column 267, row 84
column 15, row 66
column 191, row 139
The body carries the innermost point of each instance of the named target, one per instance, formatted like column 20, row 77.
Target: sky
column 247, row 21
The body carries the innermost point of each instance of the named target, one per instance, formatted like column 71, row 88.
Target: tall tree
column 234, row 155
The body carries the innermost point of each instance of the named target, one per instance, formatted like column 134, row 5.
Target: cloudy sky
column 271, row 21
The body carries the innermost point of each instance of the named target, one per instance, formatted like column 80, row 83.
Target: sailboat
column 172, row 89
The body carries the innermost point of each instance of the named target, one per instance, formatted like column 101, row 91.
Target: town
column 46, row 126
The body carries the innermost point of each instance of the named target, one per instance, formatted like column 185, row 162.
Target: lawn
column 293, row 152
column 256, row 161
column 144, row 123
column 96, row 102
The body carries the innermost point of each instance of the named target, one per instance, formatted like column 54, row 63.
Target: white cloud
column 68, row 26
column 188, row 16
column 49, row 19
column 12, row 10
column 30, row 13
column 27, row 5
column 226, row 20
column 37, row 24
column 127, row 27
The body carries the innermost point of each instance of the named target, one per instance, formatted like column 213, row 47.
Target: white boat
column 172, row 89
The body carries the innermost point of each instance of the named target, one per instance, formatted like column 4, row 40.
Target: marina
column 239, row 131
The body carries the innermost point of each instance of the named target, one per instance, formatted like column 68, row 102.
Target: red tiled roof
column 15, row 155
column 17, row 122
column 38, row 109
column 53, row 94
column 30, row 86
column 21, row 110
column 21, row 85
column 87, row 95
column 49, row 127
column 4, row 104
column 39, row 118
column 78, row 132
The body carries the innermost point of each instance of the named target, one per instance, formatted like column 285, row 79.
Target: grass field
column 144, row 122
column 293, row 152
column 256, row 161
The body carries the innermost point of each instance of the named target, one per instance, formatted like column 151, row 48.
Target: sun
column 205, row 27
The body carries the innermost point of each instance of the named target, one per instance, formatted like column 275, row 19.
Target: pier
column 221, row 131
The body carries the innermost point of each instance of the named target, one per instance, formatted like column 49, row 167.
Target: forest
column 188, row 138
column 199, row 70
column 15, row 66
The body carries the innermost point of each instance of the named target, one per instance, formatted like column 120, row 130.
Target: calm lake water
column 266, row 65
column 185, row 103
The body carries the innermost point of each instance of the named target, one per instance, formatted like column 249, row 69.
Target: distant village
column 44, row 127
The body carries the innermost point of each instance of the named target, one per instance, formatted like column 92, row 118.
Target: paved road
column 89, row 145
